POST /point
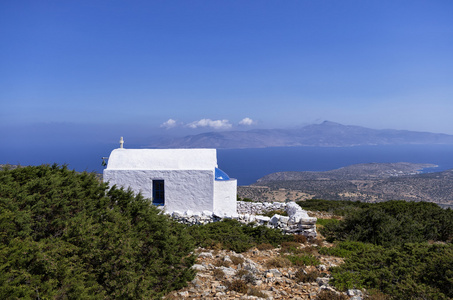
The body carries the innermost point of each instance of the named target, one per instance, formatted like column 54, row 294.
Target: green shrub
column 345, row 249
column 337, row 207
column 232, row 235
column 271, row 213
column 408, row 271
column 394, row 222
column 303, row 260
column 324, row 222
column 66, row 235
column 245, row 199
column 290, row 247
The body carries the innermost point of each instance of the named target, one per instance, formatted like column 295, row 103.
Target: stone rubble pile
column 297, row 221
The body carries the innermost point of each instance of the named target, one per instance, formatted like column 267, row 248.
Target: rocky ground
column 262, row 274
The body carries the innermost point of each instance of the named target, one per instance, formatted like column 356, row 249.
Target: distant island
column 373, row 182
column 326, row 134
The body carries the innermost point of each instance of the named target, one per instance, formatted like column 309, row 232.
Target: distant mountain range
column 326, row 134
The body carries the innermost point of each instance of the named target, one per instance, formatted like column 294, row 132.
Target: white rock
column 207, row 213
column 177, row 214
column 275, row 219
column 205, row 254
column 284, row 219
column 198, row 267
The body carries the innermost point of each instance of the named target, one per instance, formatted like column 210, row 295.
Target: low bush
column 408, row 271
column 290, row 247
column 238, row 285
column 271, row 213
column 299, row 238
column 324, row 222
column 218, row 274
column 242, row 272
column 278, row 262
column 337, row 207
column 264, row 246
column 346, row 249
column 232, row 235
column 302, row 276
column 237, row 260
column 245, row 199
column 303, row 260
column 392, row 223
column 222, row 263
column 330, row 295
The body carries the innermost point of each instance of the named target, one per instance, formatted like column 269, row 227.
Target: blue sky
column 96, row 70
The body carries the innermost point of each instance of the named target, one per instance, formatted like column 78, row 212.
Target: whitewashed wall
column 225, row 192
column 184, row 189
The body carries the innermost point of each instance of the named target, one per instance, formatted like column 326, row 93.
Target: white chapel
column 177, row 179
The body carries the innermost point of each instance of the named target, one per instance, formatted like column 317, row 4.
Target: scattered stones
column 261, row 281
column 297, row 221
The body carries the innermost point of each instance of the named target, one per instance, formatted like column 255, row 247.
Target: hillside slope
column 363, row 182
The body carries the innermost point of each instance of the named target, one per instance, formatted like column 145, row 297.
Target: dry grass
column 265, row 246
column 218, row 274
column 290, row 247
column 278, row 262
column 237, row 260
column 222, row 263
column 302, row 276
column 242, row 272
column 253, row 291
column 238, row 285
column 329, row 295
column 298, row 238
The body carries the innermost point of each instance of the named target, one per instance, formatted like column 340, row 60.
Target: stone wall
column 297, row 221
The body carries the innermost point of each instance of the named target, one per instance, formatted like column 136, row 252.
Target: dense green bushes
column 390, row 247
column 232, row 235
column 65, row 235
column 337, row 207
column 408, row 271
column 394, row 222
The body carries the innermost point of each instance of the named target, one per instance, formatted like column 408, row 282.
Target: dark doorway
column 158, row 192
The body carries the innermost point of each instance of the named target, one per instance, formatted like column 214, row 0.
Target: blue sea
column 246, row 165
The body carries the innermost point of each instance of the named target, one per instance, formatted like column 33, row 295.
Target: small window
column 158, row 192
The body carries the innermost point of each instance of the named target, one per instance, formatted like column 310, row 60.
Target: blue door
column 158, row 192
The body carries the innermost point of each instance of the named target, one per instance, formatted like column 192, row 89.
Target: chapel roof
column 162, row 159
